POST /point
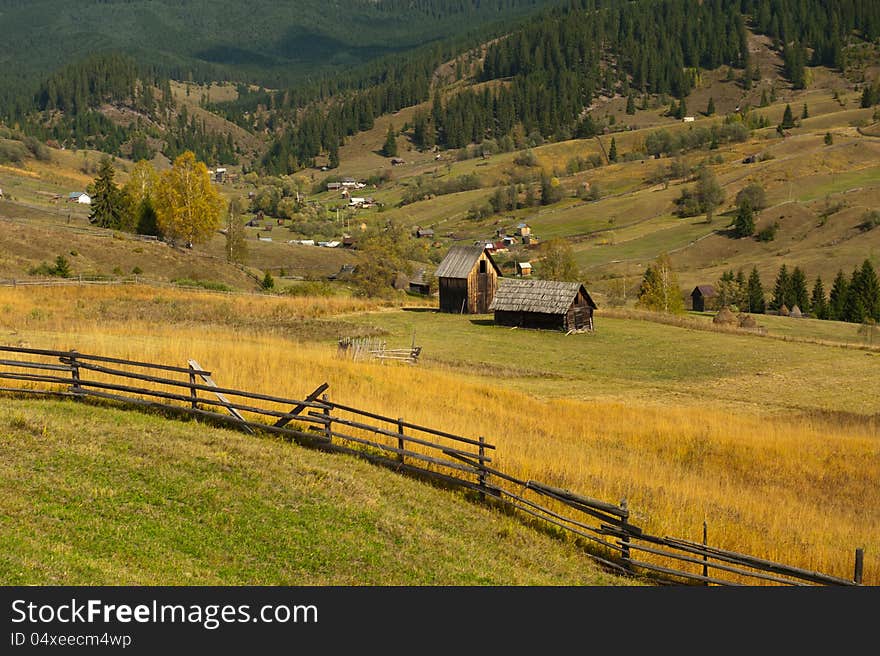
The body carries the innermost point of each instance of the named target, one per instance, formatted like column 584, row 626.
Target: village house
column 334, row 186
column 79, row 197
column 523, row 269
column 547, row 304
column 424, row 232
column 523, row 230
column 467, row 279
column 700, row 296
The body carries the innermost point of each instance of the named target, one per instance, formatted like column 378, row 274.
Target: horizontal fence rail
column 613, row 540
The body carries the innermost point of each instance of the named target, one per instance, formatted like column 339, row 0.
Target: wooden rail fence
column 605, row 528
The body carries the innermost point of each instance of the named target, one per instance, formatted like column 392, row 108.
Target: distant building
column 467, row 279
column 424, row 232
column 396, row 161
column 548, row 304
column 79, row 197
column 688, row 119
column 523, row 230
column 700, row 295
column 523, row 269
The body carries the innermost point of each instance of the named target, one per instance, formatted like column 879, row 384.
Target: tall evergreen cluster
column 854, row 298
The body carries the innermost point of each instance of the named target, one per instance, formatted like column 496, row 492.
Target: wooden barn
column 547, row 304
column 700, row 296
column 467, row 279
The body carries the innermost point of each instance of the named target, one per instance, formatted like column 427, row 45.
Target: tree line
column 853, row 298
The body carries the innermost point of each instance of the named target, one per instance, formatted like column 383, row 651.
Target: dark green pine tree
column 744, row 225
column 390, row 147
column 630, row 104
column 741, row 298
column 612, row 152
column 818, row 302
column 710, row 108
column 787, row 119
column 755, row 293
column 837, row 297
column 108, row 200
column 334, row 155
column 869, row 289
column 806, row 112
column 798, row 294
column 781, row 289
column 854, row 309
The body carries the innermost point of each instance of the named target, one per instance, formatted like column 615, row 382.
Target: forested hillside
column 541, row 77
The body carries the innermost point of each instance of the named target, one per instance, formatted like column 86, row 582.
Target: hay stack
column 747, row 321
column 724, row 317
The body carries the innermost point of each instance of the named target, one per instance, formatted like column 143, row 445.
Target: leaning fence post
column 400, row 442
column 328, row 431
column 860, row 563
column 705, row 554
column 194, row 395
column 482, row 474
column 624, row 541
column 74, row 373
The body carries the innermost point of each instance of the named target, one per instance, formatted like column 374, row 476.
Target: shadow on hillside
column 419, row 309
column 483, row 322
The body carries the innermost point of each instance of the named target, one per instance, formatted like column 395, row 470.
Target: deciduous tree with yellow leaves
column 188, row 207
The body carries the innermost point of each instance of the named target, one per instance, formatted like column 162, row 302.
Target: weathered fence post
column 400, row 443
column 482, row 475
column 192, row 390
column 860, row 563
column 705, row 555
column 328, row 431
column 624, row 541
column 74, row 373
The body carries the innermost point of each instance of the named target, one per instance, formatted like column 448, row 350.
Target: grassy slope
column 785, row 430
column 109, row 497
column 654, row 363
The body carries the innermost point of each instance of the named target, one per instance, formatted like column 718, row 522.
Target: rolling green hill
column 126, row 498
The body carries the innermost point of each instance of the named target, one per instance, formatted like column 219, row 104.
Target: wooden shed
column 700, row 295
column 467, row 279
column 550, row 304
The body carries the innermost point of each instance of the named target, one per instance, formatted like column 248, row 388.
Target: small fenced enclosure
column 605, row 529
column 373, row 348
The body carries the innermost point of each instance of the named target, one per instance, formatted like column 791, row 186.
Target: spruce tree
column 390, row 147
column 787, row 119
column 798, row 294
column 741, row 287
column 854, row 309
column 710, row 108
column 806, row 112
column 818, row 302
column 630, row 104
column 755, row 293
column 837, row 297
column 780, row 289
column 869, row 289
column 744, row 225
column 109, row 206
column 612, row 152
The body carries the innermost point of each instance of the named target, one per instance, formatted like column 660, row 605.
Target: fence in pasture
column 604, row 528
column 374, row 348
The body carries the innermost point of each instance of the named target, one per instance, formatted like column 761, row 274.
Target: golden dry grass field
column 688, row 425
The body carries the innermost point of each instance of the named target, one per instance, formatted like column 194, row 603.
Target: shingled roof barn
column 467, row 278
column 543, row 304
column 700, row 295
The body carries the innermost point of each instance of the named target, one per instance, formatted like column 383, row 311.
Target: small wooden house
column 549, row 304
column 700, row 295
column 467, row 279
column 523, row 269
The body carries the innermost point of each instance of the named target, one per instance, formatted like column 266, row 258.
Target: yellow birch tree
column 188, row 208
